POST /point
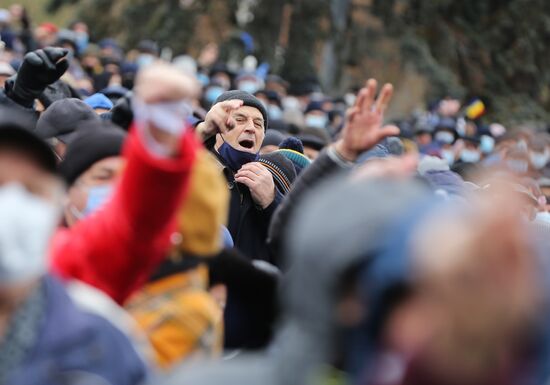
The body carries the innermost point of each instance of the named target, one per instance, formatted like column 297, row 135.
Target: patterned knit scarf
column 22, row 332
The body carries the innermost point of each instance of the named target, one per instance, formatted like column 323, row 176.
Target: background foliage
column 496, row 49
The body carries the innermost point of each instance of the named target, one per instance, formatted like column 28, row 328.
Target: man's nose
column 249, row 127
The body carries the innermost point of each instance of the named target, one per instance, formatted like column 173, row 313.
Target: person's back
column 51, row 341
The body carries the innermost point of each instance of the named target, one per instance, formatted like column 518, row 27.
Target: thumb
column 389, row 130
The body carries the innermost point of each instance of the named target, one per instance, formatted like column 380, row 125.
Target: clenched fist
column 39, row 69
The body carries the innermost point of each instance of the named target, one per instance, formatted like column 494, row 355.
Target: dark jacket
column 327, row 164
column 74, row 346
column 248, row 224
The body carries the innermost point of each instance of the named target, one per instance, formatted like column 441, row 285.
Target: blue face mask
column 445, row 137
column 316, row 121
column 212, row 93
column 448, row 156
column 97, row 197
column 487, row 144
column 275, row 113
column 249, row 86
column 235, row 159
column 144, row 60
column 470, row 156
column 539, row 159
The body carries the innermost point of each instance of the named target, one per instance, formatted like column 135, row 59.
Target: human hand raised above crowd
column 363, row 128
column 218, row 119
column 162, row 106
column 39, row 69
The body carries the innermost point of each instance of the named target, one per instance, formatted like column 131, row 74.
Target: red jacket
column 117, row 249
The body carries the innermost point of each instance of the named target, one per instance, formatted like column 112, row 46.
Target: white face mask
column 26, row 224
column 470, row 156
column 543, row 217
column 448, row 156
column 316, row 121
column 445, row 137
column 539, row 159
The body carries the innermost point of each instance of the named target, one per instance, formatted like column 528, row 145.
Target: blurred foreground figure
column 45, row 337
column 458, row 297
column 181, row 319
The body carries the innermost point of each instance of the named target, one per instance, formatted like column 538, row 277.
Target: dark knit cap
column 248, row 99
column 282, row 169
column 16, row 133
column 273, row 138
column 94, row 141
column 292, row 143
column 62, row 117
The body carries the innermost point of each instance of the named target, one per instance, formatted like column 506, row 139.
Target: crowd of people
column 188, row 220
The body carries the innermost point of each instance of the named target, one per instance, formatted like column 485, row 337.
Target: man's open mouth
column 246, row 143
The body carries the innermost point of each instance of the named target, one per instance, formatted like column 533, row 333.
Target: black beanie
column 248, row 99
column 61, row 119
column 98, row 141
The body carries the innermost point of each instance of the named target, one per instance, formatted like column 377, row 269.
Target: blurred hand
column 260, row 182
column 362, row 129
column 218, row 119
column 162, row 83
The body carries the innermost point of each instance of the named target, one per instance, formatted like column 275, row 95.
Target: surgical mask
column 448, row 156
column 212, row 93
column 222, row 82
column 234, row 158
column 470, row 156
column 97, row 197
column 82, row 40
column 26, row 224
column 487, row 144
column 170, row 117
column 543, row 217
column 316, row 121
column 539, row 159
column 517, row 166
column 249, row 86
column 275, row 113
column 291, row 103
column 144, row 60
column 461, row 127
column 445, row 137
column 522, row 145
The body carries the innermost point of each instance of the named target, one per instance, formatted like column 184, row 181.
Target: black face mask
column 234, row 158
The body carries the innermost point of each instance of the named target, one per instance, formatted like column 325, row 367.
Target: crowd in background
column 187, row 220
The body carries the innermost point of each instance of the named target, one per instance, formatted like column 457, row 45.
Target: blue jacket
column 75, row 347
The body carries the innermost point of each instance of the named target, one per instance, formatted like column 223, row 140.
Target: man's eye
column 240, row 120
column 102, row 177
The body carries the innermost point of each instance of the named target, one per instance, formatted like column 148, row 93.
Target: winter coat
column 117, row 248
column 73, row 346
column 248, row 223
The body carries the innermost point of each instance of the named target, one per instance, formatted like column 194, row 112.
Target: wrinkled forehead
column 248, row 112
